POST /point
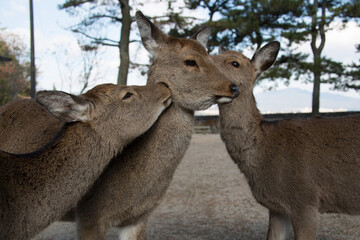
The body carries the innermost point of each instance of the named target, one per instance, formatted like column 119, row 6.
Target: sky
column 58, row 57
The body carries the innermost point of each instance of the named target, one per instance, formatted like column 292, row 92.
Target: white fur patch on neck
column 129, row 232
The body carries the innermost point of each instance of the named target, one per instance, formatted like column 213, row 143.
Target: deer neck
column 78, row 144
column 241, row 130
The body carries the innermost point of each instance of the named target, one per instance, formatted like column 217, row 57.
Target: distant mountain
column 297, row 100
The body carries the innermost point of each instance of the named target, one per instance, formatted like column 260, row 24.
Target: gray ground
column 210, row 199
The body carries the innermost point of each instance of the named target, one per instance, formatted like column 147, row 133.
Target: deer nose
column 235, row 90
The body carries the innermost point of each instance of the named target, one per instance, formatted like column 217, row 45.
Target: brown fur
column 38, row 188
column 131, row 188
column 296, row 168
column 134, row 183
column 21, row 134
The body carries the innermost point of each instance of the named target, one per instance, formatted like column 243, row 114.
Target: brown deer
column 25, row 126
column 129, row 189
column 40, row 187
column 297, row 168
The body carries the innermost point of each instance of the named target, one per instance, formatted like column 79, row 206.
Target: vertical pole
column 32, row 60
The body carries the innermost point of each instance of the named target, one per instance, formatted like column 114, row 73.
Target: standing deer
column 130, row 189
column 132, row 186
column 40, row 187
column 296, row 168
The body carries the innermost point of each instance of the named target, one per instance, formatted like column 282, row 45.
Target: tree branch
column 102, row 41
column 313, row 27
column 97, row 16
column 322, row 25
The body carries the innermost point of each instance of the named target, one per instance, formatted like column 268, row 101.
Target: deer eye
column 191, row 63
column 127, row 95
column 235, row 64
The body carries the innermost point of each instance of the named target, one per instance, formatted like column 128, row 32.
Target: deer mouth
column 223, row 99
column 235, row 92
column 165, row 84
column 167, row 102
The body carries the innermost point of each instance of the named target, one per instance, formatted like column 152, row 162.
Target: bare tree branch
column 97, row 16
column 101, row 41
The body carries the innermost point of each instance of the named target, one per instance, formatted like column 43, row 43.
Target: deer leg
column 305, row 223
column 89, row 228
column 136, row 231
column 279, row 226
column 90, row 233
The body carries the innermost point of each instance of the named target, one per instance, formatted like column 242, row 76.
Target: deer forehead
column 181, row 47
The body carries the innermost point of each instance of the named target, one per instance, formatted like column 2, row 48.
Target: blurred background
column 81, row 43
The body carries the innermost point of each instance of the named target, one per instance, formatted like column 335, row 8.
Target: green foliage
column 14, row 74
column 352, row 76
column 240, row 23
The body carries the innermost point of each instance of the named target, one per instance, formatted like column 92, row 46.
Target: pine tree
column 241, row 23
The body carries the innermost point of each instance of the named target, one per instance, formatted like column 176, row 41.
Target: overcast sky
column 56, row 48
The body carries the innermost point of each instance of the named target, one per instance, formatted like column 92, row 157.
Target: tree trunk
column 317, row 28
column 316, row 87
column 124, row 42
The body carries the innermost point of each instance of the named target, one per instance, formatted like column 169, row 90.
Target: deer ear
column 152, row 37
column 202, row 36
column 67, row 107
column 264, row 58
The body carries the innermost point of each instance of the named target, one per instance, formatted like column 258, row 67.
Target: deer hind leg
column 136, row 231
column 305, row 223
column 279, row 226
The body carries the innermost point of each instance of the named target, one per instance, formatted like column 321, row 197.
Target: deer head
column 243, row 71
column 110, row 108
column 186, row 67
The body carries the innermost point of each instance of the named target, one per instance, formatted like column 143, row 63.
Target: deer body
column 26, row 134
column 40, row 187
column 296, row 168
column 148, row 164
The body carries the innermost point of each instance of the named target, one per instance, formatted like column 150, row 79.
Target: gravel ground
column 210, row 199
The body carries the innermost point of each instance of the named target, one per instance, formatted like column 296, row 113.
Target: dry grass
column 210, row 199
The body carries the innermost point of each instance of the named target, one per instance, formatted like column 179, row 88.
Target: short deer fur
column 132, row 186
column 296, row 168
column 40, row 187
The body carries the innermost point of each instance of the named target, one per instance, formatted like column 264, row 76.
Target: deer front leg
column 136, row 231
column 90, row 228
column 279, row 226
column 91, row 233
column 305, row 223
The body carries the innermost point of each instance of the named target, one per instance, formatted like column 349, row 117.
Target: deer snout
column 235, row 90
column 230, row 95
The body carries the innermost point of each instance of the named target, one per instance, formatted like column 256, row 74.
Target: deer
column 38, row 188
column 296, row 168
column 128, row 190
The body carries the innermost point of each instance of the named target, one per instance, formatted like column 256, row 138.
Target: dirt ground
column 209, row 199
